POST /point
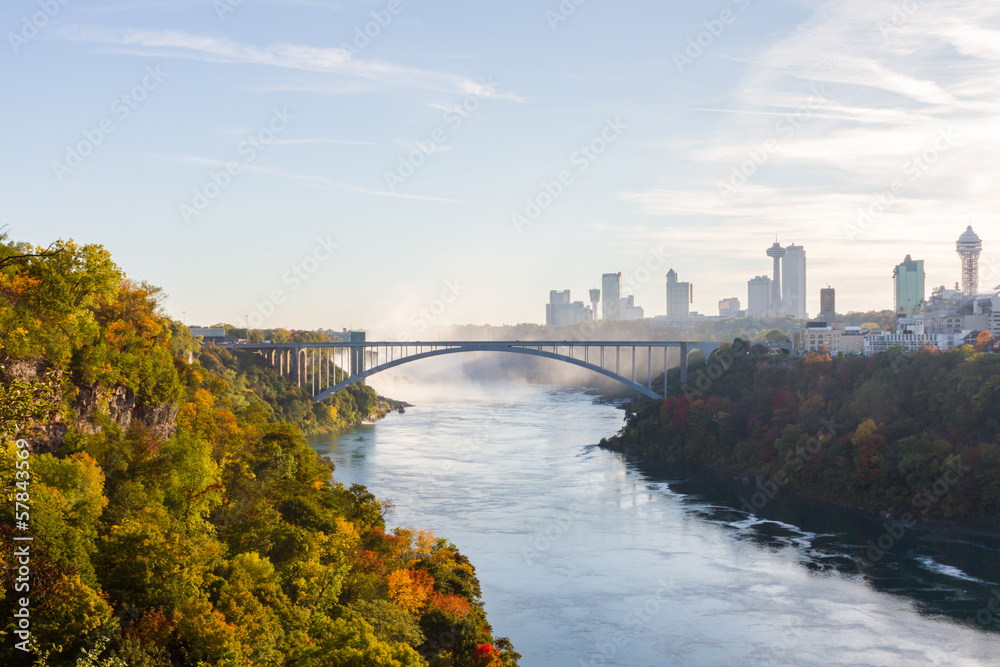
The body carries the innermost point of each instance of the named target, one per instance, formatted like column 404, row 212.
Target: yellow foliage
column 71, row 613
column 206, row 635
column 865, row 429
column 353, row 642
column 319, row 576
column 77, row 485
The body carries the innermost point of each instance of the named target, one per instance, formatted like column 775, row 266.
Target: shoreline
column 735, row 481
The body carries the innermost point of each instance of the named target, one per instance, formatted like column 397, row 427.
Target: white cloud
column 317, row 60
column 890, row 92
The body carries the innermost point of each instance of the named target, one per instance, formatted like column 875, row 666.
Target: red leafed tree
column 488, row 655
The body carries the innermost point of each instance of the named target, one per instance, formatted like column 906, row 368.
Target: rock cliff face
column 116, row 403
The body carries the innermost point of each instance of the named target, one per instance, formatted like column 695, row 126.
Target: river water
column 588, row 559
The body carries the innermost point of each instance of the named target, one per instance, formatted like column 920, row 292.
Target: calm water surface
column 588, row 559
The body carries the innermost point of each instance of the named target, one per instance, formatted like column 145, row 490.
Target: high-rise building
column 828, row 305
column 908, row 286
column 562, row 311
column 729, row 307
column 968, row 247
column 611, row 286
column 595, row 298
column 760, row 297
column 793, row 287
column 776, row 252
column 678, row 296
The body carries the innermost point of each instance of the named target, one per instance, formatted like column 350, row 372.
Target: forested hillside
column 177, row 514
column 250, row 380
column 899, row 432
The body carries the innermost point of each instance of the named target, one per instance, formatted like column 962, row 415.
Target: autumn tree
column 984, row 342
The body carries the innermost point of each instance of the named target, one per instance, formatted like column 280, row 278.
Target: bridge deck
column 310, row 364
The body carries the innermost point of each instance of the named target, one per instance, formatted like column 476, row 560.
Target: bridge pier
column 683, row 365
column 301, row 362
column 649, row 368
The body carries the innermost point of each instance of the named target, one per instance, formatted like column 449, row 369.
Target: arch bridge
column 326, row 368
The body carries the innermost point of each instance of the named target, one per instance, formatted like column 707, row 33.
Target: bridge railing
column 324, row 368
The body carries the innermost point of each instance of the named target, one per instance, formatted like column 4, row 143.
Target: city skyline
column 907, row 289
column 427, row 154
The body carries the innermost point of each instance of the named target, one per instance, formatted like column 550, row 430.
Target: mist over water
column 587, row 559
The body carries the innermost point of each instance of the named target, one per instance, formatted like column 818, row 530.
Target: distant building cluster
column 948, row 319
column 834, row 338
column 561, row 310
column 731, row 308
column 785, row 292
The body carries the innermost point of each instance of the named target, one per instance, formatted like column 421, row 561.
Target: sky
column 384, row 164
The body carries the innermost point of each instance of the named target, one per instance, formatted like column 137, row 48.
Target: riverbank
column 251, row 380
column 907, row 436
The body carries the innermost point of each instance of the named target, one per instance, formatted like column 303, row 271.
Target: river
column 588, row 559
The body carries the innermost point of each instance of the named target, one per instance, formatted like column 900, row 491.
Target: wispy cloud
column 177, row 5
column 899, row 84
column 295, row 57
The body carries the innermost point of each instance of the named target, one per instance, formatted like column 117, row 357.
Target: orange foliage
column 204, row 631
column 410, row 589
column 153, row 628
column 984, row 341
column 450, row 604
column 194, row 413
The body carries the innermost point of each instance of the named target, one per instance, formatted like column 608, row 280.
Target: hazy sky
column 349, row 163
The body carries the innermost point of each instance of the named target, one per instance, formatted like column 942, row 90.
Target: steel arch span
column 326, row 368
column 458, row 350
